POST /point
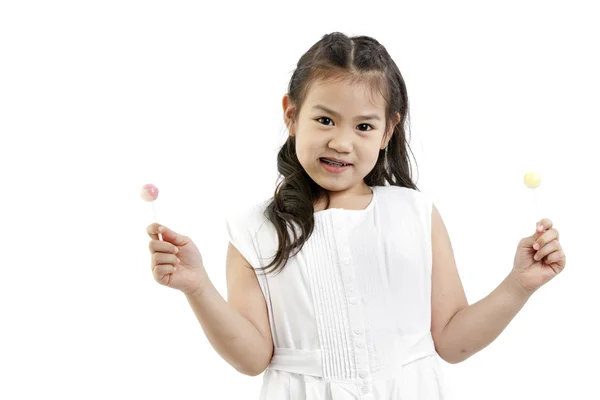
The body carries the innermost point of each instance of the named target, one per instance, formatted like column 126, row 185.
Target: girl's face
column 342, row 121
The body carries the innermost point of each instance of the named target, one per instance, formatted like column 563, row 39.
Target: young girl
column 344, row 285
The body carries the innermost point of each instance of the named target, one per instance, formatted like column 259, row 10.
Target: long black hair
column 336, row 57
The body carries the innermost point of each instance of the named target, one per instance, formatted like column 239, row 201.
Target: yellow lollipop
column 533, row 180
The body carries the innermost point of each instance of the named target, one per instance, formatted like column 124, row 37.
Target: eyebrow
column 361, row 117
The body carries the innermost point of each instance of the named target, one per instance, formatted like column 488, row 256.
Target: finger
column 163, row 258
column 547, row 249
column 543, row 225
column 159, row 246
column 152, row 230
column 545, row 238
column 555, row 257
column 162, row 270
column 527, row 242
column 173, row 237
column 540, row 228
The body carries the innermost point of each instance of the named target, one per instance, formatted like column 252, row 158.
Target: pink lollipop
column 149, row 193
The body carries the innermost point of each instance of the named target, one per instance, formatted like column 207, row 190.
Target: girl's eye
column 325, row 118
column 366, row 125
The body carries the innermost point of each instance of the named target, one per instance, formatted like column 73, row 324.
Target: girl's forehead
column 344, row 94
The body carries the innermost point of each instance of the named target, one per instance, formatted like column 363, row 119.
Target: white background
column 99, row 98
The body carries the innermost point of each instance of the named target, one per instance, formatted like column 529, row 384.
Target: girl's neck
column 354, row 200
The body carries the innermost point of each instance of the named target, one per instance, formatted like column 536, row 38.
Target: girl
column 344, row 285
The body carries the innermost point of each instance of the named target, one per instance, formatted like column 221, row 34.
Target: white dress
column 350, row 314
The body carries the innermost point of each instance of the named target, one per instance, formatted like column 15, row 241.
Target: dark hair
column 336, row 57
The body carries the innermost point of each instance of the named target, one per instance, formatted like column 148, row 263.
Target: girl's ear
column 388, row 135
column 288, row 113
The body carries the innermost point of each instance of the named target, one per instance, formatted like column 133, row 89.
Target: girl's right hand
column 176, row 261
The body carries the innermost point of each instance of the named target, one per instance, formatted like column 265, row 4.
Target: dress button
column 346, row 260
column 364, row 374
column 365, row 389
column 359, row 345
column 357, row 331
column 352, row 300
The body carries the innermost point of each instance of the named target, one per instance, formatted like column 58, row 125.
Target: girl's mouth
column 333, row 166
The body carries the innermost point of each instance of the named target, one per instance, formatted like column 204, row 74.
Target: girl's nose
column 342, row 143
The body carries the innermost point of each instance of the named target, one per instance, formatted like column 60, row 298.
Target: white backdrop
column 99, row 98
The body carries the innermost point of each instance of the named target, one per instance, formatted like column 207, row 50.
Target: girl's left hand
column 539, row 257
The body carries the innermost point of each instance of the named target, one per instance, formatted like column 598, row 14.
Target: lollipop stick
column 536, row 205
column 532, row 180
column 155, row 220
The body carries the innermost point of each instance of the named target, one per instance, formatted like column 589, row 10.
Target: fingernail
column 540, row 228
column 161, row 229
column 178, row 261
column 536, row 246
column 176, row 250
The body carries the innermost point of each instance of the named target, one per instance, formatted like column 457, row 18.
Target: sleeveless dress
column 350, row 314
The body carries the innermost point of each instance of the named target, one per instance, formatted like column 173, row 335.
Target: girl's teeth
column 334, row 163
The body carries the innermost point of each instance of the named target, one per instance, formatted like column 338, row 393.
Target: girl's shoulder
column 245, row 230
column 249, row 216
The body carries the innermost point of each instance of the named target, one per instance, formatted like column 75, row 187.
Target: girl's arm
column 460, row 330
column 238, row 329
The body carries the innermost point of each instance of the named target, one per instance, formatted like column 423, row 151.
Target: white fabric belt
column 309, row 362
